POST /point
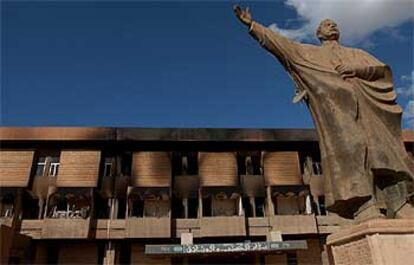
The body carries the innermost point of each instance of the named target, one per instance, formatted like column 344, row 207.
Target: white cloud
column 408, row 114
column 357, row 19
column 408, row 90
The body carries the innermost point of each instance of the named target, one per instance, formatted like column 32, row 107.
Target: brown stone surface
column 32, row 228
column 312, row 255
column 381, row 241
column 148, row 227
column 259, row 226
column 223, row 226
column 151, row 134
column 110, row 229
column 294, row 224
column 65, row 228
column 328, row 224
column 356, row 253
column 382, row 226
column 15, row 167
column 187, row 226
column 56, row 133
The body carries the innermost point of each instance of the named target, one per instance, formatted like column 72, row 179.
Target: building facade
column 163, row 196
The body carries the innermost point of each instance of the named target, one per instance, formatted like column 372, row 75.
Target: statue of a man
column 353, row 104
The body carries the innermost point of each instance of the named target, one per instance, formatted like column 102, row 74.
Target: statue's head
column 327, row 30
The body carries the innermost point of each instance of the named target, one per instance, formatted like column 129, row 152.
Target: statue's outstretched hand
column 243, row 15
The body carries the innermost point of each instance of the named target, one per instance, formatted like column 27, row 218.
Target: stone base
column 379, row 242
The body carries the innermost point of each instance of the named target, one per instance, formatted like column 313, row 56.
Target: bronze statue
column 353, row 104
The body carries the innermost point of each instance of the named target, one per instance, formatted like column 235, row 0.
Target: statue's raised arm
column 243, row 15
column 281, row 47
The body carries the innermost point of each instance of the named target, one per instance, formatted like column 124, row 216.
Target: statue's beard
column 331, row 36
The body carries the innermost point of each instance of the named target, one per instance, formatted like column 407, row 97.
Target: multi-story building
column 163, row 196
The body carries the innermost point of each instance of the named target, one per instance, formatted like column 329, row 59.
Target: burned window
column 249, row 163
column 54, row 166
column 292, row 258
column 317, row 168
column 47, row 163
column 321, row 204
column 185, row 163
column 108, row 166
column 207, row 206
column 126, row 162
column 7, row 205
column 40, row 166
column 254, row 207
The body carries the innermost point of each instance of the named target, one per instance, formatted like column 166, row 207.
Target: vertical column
column 109, row 258
column 185, row 204
column 127, row 202
column 270, row 206
column 200, row 203
column 253, row 205
column 241, row 211
column 48, row 160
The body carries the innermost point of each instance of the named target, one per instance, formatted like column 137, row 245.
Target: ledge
column 376, row 226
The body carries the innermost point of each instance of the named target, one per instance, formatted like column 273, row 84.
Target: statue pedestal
column 378, row 241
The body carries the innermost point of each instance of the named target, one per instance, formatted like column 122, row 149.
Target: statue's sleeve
column 281, row 47
column 375, row 81
column 373, row 68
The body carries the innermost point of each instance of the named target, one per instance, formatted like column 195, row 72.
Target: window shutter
column 217, row 169
column 15, row 168
column 78, row 169
column 151, row 169
column 282, row 168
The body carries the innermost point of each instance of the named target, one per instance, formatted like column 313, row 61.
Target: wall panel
column 15, row 168
column 151, row 169
column 217, row 169
column 282, row 168
column 78, row 169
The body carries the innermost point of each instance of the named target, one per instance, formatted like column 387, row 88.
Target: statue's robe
column 357, row 119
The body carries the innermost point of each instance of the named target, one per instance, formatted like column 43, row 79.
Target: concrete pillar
column 41, row 204
column 186, row 238
column 270, row 206
column 127, row 202
column 109, row 258
column 253, row 205
column 200, row 203
column 185, row 204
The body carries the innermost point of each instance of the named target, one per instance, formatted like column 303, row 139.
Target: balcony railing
column 148, row 227
column 222, row 226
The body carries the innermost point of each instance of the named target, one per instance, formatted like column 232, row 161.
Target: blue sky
column 162, row 64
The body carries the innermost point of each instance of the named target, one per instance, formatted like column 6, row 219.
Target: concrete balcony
column 65, row 228
column 222, row 226
column 331, row 223
column 32, row 228
column 259, row 226
column 110, row 229
column 148, row 227
column 6, row 221
column 187, row 226
column 294, row 224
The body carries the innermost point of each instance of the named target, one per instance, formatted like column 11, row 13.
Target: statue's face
column 328, row 30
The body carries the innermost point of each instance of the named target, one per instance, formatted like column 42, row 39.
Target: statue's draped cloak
column 357, row 120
